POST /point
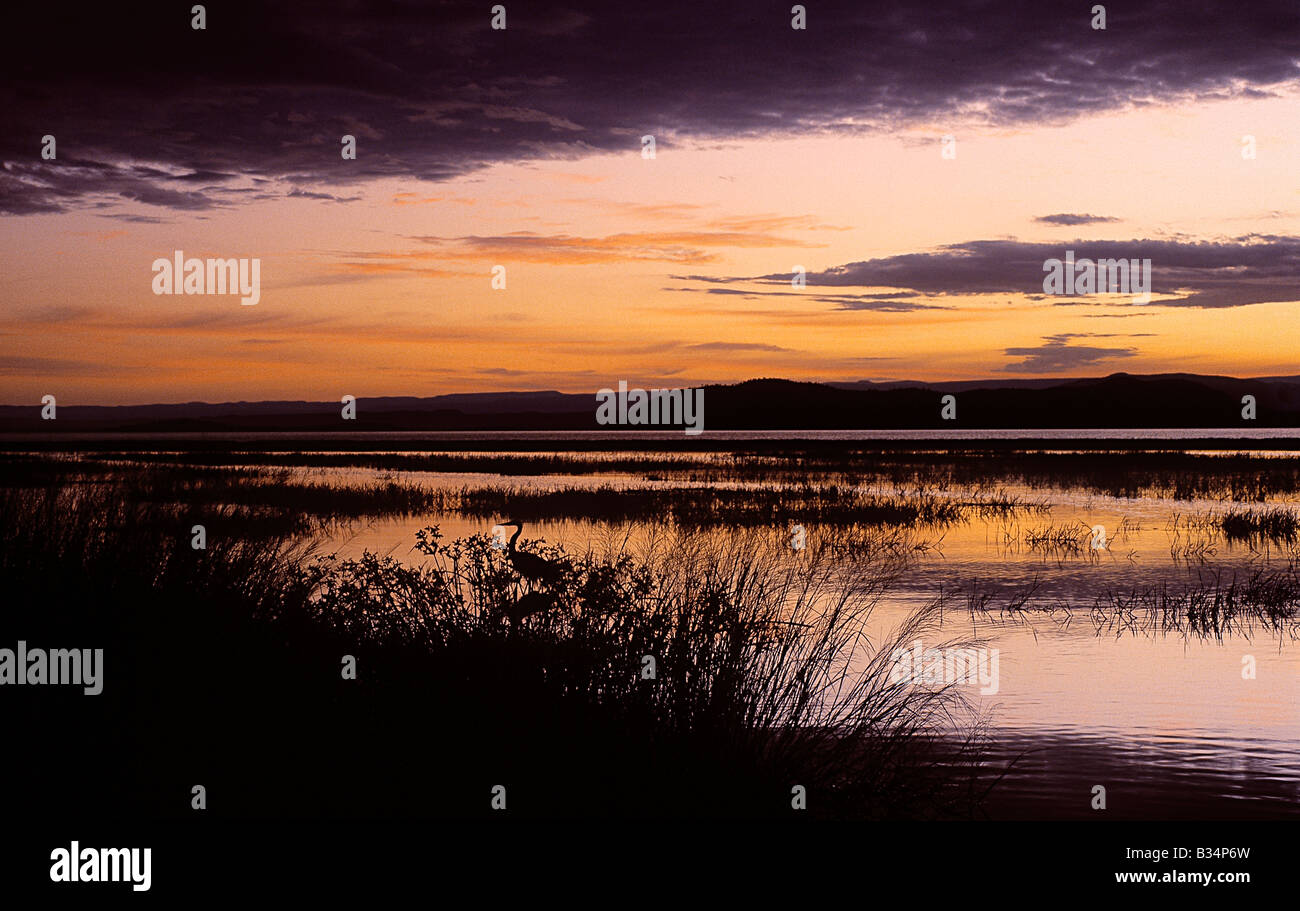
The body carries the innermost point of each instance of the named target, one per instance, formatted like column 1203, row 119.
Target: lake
column 1076, row 572
column 1163, row 718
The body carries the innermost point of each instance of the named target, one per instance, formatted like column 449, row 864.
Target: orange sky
column 391, row 294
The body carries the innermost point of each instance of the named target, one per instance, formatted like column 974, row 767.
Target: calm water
column 1165, row 721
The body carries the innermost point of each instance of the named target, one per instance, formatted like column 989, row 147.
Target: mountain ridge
column 1118, row 400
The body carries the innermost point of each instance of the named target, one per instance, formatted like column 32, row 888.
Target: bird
column 530, row 566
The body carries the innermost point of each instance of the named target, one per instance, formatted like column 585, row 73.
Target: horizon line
column 705, row 385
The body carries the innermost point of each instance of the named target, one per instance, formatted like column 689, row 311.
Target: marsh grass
column 702, row 507
column 1241, row 477
column 1277, row 524
column 1070, row 539
column 762, row 667
column 1195, row 537
column 222, row 667
column 1217, row 606
column 263, row 501
column 265, row 491
column 741, row 507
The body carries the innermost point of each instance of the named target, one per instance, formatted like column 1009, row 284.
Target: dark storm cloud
column 1252, row 269
column 1070, row 220
column 30, row 185
column 164, row 114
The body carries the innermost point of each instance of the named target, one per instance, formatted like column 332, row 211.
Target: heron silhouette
column 530, row 566
column 536, row 570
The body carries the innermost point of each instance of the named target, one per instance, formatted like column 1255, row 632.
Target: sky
column 1172, row 134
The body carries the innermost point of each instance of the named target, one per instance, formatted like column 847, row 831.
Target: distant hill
column 1121, row 400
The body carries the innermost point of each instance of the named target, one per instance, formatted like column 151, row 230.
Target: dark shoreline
column 473, row 442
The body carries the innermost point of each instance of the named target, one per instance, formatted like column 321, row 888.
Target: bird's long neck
column 515, row 537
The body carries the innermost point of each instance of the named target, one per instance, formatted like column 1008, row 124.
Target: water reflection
column 1163, row 717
